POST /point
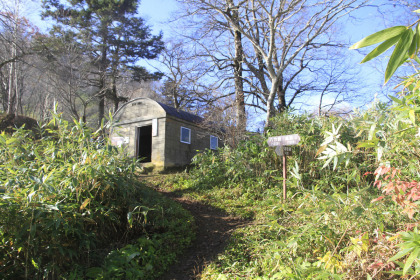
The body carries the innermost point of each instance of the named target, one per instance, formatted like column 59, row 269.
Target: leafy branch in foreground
column 402, row 141
column 405, row 39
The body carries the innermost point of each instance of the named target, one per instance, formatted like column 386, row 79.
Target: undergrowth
column 72, row 208
column 332, row 225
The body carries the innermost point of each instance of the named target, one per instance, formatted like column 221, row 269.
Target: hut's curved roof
column 180, row 114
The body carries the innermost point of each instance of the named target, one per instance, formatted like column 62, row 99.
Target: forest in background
column 234, row 62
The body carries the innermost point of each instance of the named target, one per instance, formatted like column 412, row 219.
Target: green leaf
column 367, row 144
column 399, row 55
column 418, row 37
column 94, row 272
column 401, row 254
column 414, row 47
column 396, row 100
column 10, row 141
column 130, row 218
column 358, row 211
column 381, row 48
column 412, row 115
column 413, row 256
column 34, row 264
column 379, row 36
column 133, row 255
column 372, row 132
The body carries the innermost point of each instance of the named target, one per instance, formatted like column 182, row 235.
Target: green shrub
column 227, row 166
column 70, row 198
column 313, row 236
column 328, row 228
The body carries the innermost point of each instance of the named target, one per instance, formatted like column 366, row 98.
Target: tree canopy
column 116, row 39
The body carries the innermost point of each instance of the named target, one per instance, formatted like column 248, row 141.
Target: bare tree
column 280, row 38
column 68, row 78
column 187, row 85
column 11, row 24
column 221, row 119
column 218, row 42
column 15, row 37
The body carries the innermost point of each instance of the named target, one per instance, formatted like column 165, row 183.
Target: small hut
column 159, row 134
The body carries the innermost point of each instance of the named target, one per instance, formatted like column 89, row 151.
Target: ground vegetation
column 352, row 208
column 72, row 207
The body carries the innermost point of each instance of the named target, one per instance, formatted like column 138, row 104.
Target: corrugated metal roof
column 181, row 114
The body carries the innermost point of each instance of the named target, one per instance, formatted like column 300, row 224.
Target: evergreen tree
column 114, row 40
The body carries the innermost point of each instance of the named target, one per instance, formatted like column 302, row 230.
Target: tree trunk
column 13, row 103
column 320, row 104
column 174, row 90
column 281, row 95
column 102, row 73
column 101, row 104
column 238, row 70
column 239, row 86
column 114, row 93
column 270, row 101
column 10, row 95
column 18, row 96
column 282, row 100
column 101, row 95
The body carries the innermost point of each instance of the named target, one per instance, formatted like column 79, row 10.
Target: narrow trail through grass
column 213, row 230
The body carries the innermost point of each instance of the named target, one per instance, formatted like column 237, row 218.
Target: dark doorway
column 144, row 143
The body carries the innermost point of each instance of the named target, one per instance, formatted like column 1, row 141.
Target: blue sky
column 157, row 12
column 154, row 11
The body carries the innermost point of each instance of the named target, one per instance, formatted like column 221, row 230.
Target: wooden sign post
column 281, row 143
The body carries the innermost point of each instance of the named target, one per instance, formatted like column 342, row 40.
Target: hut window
column 214, row 142
column 185, row 135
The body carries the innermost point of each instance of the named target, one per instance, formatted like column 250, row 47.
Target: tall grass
column 70, row 198
column 330, row 227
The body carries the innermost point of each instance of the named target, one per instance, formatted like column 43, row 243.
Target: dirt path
column 213, row 231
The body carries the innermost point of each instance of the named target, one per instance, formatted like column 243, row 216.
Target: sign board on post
column 285, row 140
column 281, row 143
